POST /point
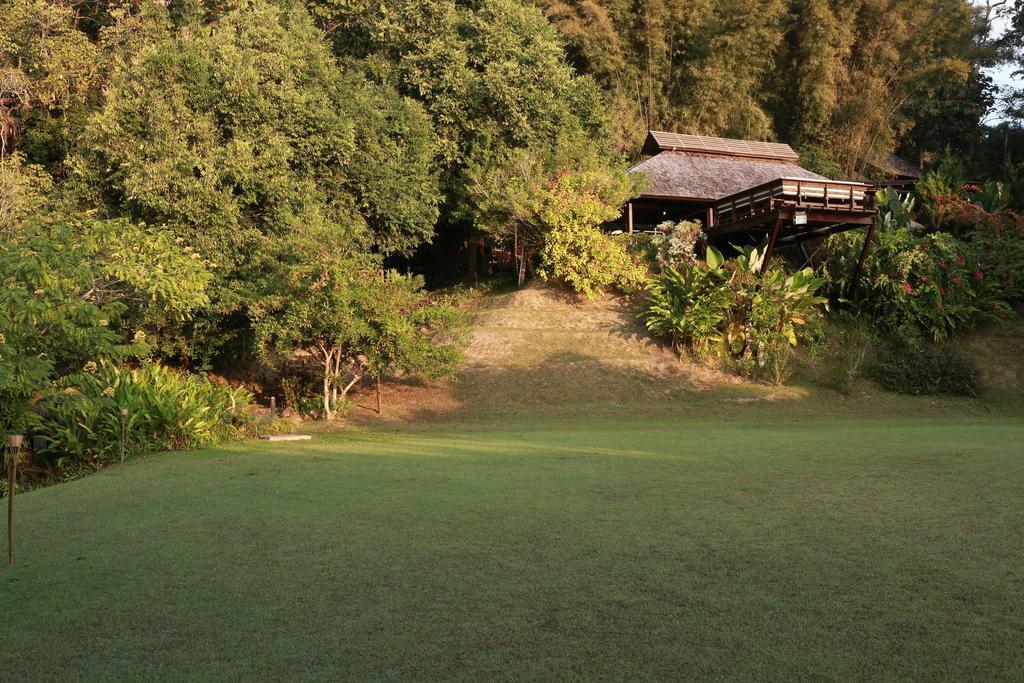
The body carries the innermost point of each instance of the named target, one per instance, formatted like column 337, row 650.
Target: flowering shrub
column 923, row 287
column 575, row 250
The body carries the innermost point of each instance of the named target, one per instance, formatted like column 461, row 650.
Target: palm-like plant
column 689, row 303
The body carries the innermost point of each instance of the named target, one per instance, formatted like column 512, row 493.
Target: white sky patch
column 1002, row 74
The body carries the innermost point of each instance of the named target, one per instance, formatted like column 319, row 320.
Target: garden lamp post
column 14, row 451
column 124, row 434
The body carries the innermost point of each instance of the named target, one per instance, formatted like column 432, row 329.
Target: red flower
column 960, row 260
column 943, row 265
column 956, row 280
column 924, row 278
column 980, row 275
column 942, row 290
column 907, row 288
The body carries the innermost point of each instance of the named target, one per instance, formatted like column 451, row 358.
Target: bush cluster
column 926, row 369
column 749, row 317
column 80, row 420
column 929, row 286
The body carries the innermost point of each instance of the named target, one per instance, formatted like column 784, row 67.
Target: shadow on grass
column 565, row 384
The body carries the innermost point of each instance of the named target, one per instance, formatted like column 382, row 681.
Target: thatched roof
column 659, row 141
column 707, row 177
column 895, row 166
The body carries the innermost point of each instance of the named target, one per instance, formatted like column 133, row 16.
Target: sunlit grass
column 569, row 547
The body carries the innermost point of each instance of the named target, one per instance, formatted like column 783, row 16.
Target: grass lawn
column 588, row 547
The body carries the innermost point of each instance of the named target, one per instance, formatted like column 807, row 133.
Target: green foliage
column 167, row 409
column 72, row 291
column 941, row 190
column 46, row 62
column 925, row 369
column 922, row 287
column 355, row 321
column 247, row 140
column 993, row 196
column 893, row 211
column 843, row 349
column 24, row 190
column 689, row 304
column 575, row 250
column 731, row 306
column 676, row 243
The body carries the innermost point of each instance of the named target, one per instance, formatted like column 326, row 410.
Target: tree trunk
column 328, row 413
column 471, row 275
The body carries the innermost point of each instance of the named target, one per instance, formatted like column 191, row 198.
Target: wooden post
column 13, row 451
column 124, row 434
column 629, row 216
column 863, row 256
column 771, row 242
column 378, row 394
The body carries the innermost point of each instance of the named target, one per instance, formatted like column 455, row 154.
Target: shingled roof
column 708, row 177
column 895, row 166
column 660, row 141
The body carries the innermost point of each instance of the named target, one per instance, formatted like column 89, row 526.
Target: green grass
column 728, row 548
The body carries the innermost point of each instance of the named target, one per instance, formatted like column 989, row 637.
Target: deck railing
column 839, row 196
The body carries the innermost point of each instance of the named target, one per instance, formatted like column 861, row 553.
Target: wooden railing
column 821, row 195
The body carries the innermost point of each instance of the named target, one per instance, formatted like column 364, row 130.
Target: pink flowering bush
column 924, row 286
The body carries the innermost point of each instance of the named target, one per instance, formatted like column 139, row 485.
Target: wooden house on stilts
column 743, row 191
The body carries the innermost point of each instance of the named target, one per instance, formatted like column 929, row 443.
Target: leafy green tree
column 854, row 76
column 696, row 66
column 71, row 293
column 46, row 65
column 244, row 134
column 354, row 320
column 501, row 96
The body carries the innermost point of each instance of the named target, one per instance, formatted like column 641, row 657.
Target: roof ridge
column 663, row 141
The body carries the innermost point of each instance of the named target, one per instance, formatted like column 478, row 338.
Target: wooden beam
column 771, row 242
column 860, row 262
column 629, row 214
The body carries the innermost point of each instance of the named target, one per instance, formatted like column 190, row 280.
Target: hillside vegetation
column 539, row 352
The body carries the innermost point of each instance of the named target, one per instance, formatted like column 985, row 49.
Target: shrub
column 676, row 243
column 923, row 287
column 755, row 319
column 167, row 409
column 926, row 369
column 589, row 261
column 688, row 305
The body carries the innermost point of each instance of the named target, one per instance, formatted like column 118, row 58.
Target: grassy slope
column 636, row 519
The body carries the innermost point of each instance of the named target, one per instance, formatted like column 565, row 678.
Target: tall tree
column 244, row 136
column 698, row 66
